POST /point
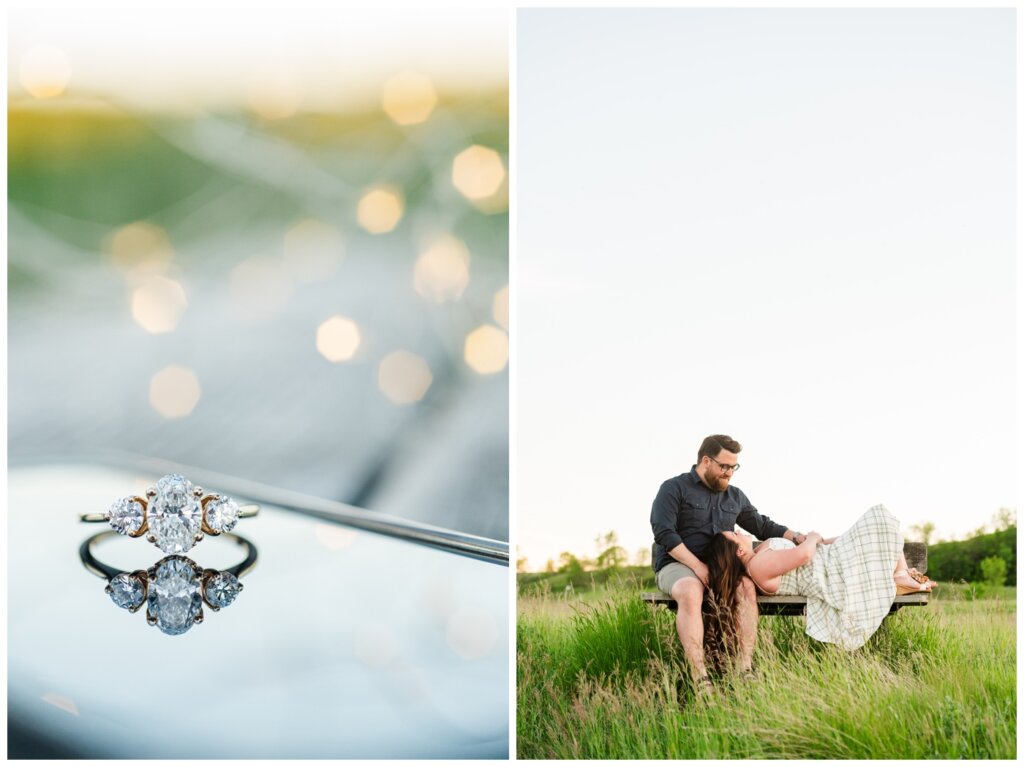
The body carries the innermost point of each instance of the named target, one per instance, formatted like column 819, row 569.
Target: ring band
column 248, row 510
column 175, row 514
column 175, row 589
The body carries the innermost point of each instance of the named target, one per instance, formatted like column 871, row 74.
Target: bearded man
column 687, row 513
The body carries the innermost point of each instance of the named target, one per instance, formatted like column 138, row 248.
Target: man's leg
column 689, row 595
column 746, row 622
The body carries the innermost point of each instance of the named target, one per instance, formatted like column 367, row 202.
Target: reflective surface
column 349, row 644
column 174, row 589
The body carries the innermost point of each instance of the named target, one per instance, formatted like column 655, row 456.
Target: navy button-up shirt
column 688, row 511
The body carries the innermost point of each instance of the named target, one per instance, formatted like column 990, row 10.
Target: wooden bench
column 916, row 554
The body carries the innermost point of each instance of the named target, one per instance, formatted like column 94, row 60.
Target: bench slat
column 787, row 605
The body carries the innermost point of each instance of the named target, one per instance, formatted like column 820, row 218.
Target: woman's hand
column 810, row 545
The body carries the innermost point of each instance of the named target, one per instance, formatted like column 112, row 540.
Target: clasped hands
column 801, row 537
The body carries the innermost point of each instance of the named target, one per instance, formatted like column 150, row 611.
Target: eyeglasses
column 725, row 466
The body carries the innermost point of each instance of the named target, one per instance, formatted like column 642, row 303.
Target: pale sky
column 794, row 227
column 210, row 56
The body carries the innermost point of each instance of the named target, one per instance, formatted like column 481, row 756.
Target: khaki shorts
column 670, row 573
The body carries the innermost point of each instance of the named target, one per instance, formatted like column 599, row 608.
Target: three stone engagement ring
column 175, row 514
column 174, row 589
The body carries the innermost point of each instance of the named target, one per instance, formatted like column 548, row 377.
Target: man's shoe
column 702, row 688
column 748, row 675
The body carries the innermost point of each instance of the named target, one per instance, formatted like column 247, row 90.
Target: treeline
column 610, row 555
column 638, row 577
column 985, row 557
column 976, row 559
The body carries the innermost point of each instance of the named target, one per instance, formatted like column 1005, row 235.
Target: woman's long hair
column 721, row 640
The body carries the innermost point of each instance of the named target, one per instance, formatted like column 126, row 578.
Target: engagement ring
column 174, row 514
column 174, row 589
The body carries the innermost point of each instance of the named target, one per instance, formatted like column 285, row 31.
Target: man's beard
column 719, row 485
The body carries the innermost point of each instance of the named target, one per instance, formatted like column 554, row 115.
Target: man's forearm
column 686, row 557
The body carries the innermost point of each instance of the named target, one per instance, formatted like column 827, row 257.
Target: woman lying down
column 849, row 581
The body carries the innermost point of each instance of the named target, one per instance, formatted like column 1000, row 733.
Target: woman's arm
column 771, row 563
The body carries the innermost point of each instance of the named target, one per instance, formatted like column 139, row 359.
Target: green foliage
column 615, row 638
column 961, row 560
column 925, row 530
column 583, row 582
column 60, row 160
column 610, row 553
column 570, row 565
column 993, row 571
column 614, row 556
column 1005, row 518
column 603, row 682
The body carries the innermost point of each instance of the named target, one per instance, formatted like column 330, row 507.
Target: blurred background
column 821, row 228
column 274, row 247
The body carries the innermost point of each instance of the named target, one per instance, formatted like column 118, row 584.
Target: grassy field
column 597, row 674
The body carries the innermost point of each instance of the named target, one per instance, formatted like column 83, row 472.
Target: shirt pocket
column 696, row 516
column 728, row 512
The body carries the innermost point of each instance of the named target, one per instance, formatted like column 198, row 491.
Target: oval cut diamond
column 222, row 589
column 221, row 514
column 175, row 594
column 126, row 591
column 126, row 515
column 175, row 516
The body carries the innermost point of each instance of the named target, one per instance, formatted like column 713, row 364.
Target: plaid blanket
column 848, row 584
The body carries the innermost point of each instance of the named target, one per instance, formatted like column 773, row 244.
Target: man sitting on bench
column 687, row 513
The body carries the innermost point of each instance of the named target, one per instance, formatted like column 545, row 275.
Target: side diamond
column 222, row 589
column 221, row 514
column 127, row 515
column 126, row 591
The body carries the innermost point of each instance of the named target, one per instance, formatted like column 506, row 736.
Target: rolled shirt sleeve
column 664, row 516
column 758, row 524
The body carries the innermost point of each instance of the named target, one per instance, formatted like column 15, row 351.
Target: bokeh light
column 472, row 633
column 260, row 289
column 139, row 243
column 408, row 98
column 499, row 307
column 486, row 349
column 334, row 537
column 174, row 392
column 157, row 304
column 403, row 377
column 439, row 597
column 45, row 72
column 442, row 271
column 380, row 209
column 337, row 338
column 478, row 172
column 312, row 250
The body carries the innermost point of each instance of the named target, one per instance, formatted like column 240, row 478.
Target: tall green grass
column 602, row 681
